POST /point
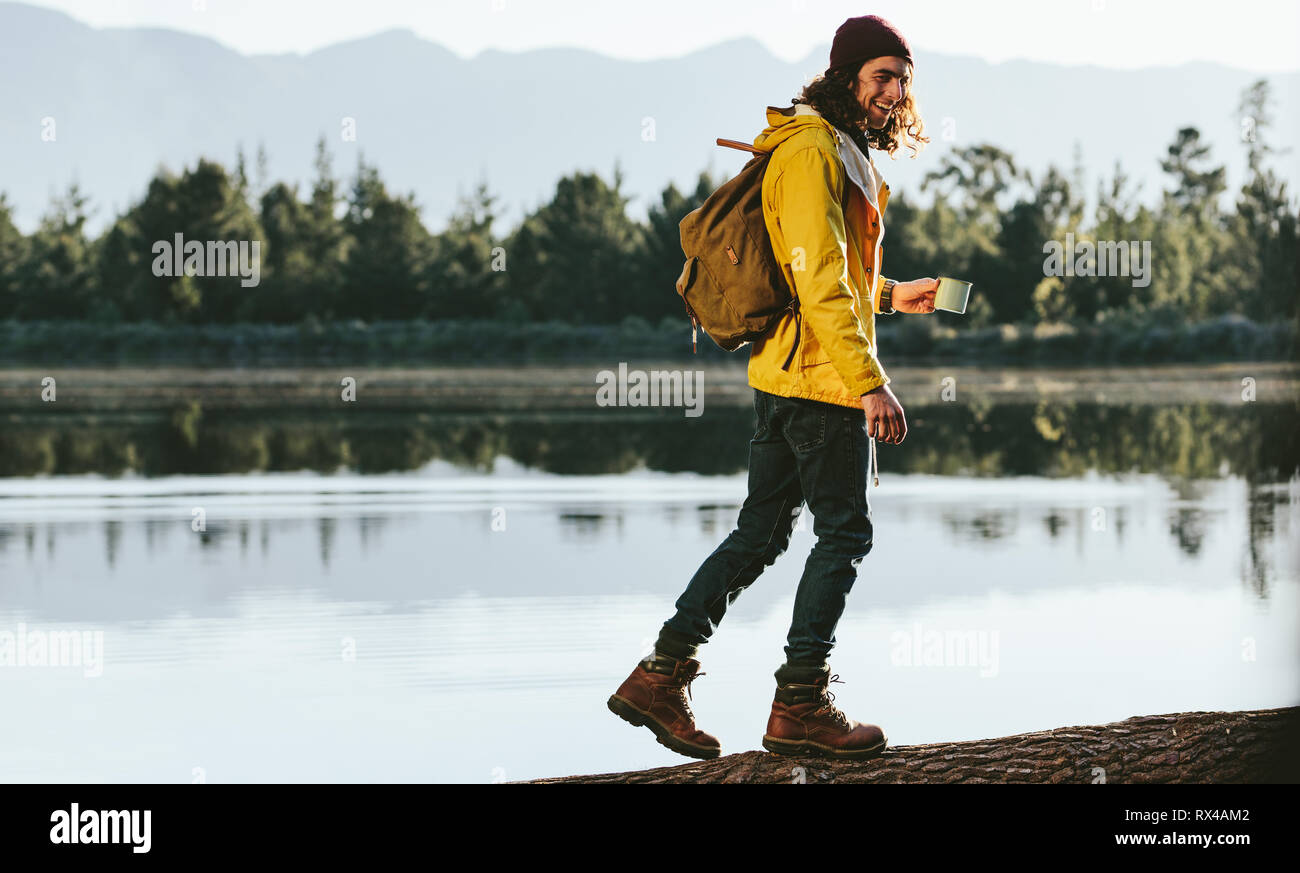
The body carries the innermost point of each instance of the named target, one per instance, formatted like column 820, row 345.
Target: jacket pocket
column 811, row 351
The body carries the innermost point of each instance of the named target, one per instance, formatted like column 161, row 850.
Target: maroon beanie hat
column 865, row 37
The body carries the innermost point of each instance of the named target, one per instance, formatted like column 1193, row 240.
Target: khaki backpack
column 731, row 284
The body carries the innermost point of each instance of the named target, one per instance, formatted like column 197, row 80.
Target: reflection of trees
column 987, row 525
column 1182, row 443
column 1261, row 521
column 27, row 453
column 585, row 526
column 112, row 541
column 1188, row 527
column 326, row 529
column 992, row 525
column 369, row 530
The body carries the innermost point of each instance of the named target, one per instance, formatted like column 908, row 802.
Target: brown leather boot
column 655, row 696
column 805, row 721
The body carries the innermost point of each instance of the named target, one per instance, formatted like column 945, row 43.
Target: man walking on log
column 824, row 204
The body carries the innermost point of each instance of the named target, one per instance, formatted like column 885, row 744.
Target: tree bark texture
column 1254, row 746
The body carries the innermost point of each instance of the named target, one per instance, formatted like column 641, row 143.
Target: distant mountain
column 126, row 100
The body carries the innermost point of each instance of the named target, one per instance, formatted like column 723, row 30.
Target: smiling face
column 882, row 84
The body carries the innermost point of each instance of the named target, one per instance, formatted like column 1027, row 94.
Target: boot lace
column 828, row 704
column 683, row 693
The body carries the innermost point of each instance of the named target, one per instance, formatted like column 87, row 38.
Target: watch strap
column 887, row 297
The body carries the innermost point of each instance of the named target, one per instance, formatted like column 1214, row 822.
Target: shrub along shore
column 900, row 338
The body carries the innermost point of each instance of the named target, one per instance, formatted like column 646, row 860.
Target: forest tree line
column 357, row 251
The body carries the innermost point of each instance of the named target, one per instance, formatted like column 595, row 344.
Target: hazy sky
column 1256, row 35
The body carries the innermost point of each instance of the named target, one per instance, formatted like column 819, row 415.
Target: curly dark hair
column 832, row 94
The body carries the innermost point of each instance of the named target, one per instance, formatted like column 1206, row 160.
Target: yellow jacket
column 826, row 234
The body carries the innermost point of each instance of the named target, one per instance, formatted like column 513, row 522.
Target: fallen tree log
column 1188, row 747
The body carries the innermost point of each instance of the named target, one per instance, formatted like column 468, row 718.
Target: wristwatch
column 887, row 297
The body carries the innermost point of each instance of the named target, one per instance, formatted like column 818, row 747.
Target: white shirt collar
column 860, row 168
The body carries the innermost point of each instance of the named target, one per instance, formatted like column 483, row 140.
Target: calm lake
column 235, row 576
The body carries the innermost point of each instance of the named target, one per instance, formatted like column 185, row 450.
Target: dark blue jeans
column 802, row 450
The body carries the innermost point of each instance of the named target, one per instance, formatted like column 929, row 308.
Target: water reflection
column 1259, row 442
column 262, row 516
column 391, row 628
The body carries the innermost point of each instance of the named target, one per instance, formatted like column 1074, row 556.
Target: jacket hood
column 785, row 122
